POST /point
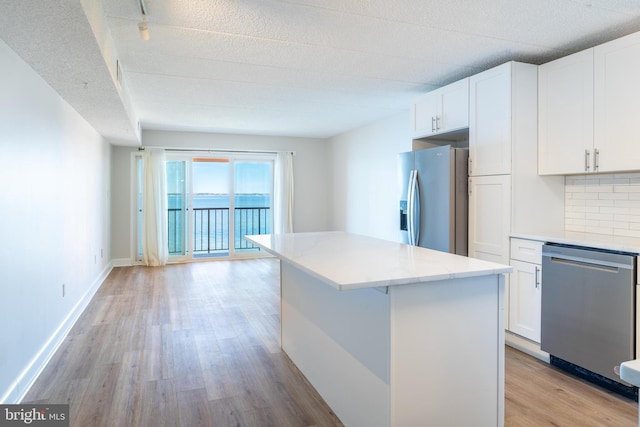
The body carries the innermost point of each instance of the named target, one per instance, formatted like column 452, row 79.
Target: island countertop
column 351, row 261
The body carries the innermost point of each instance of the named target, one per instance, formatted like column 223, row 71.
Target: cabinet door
column 565, row 114
column 490, row 217
column 425, row 109
column 454, row 103
column 525, row 299
column 490, row 122
column 617, row 104
column 443, row 110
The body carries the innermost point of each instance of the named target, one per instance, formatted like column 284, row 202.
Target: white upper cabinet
column 589, row 110
column 494, row 102
column 441, row 111
column 565, row 114
column 617, row 107
column 490, row 122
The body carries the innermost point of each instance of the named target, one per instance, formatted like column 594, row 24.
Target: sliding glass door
column 213, row 202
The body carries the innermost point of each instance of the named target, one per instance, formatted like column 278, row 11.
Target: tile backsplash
column 603, row 204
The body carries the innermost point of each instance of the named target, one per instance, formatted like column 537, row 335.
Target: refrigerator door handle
column 416, row 209
column 409, row 208
column 410, row 203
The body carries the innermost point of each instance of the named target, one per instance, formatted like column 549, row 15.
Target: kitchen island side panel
column 447, row 353
column 340, row 342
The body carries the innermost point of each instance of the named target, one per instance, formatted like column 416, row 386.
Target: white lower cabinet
column 490, row 217
column 525, row 288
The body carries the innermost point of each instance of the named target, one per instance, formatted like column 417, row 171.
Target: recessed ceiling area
column 306, row 68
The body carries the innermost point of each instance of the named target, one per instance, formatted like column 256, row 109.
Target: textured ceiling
column 311, row 68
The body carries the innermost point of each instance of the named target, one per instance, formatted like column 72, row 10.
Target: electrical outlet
column 63, row 290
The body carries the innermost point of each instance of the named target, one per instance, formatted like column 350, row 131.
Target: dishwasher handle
column 583, row 262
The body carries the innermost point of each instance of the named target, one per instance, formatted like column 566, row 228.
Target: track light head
column 144, row 30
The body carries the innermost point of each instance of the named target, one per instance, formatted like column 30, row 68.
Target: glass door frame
column 187, row 187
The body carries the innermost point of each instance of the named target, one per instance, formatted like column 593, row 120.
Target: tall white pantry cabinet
column 506, row 194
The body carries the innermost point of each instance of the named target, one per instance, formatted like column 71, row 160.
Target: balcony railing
column 175, row 223
column 211, row 229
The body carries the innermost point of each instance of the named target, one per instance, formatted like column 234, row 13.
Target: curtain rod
column 209, row 150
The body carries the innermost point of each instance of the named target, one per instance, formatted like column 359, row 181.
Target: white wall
column 364, row 177
column 54, row 226
column 310, row 164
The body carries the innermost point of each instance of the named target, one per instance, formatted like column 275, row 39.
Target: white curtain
column 155, row 248
column 283, row 194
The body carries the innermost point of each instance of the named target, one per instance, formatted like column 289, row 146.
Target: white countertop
column 350, row 261
column 603, row 241
column 630, row 372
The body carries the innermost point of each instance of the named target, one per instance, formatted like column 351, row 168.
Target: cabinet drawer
column 526, row 250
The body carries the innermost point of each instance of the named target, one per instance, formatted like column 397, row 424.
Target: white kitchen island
column 390, row 334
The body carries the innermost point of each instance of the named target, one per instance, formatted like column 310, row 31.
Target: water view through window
column 219, row 186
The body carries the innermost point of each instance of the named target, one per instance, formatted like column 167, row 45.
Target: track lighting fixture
column 142, row 25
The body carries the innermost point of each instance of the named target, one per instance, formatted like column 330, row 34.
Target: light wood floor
column 198, row 345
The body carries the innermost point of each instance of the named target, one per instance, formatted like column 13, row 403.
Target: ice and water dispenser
column 403, row 215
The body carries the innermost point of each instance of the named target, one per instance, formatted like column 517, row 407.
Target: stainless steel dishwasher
column 588, row 312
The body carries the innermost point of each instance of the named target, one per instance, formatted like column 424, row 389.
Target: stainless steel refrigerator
column 433, row 198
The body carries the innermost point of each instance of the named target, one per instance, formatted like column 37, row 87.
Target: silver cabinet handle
column 537, row 277
column 586, row 160
column 596, row 159
column 433, row 124
column 437, row 122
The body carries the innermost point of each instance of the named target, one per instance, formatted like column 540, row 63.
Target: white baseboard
column 121, row 262
column 526, row 346
column 30, row 374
